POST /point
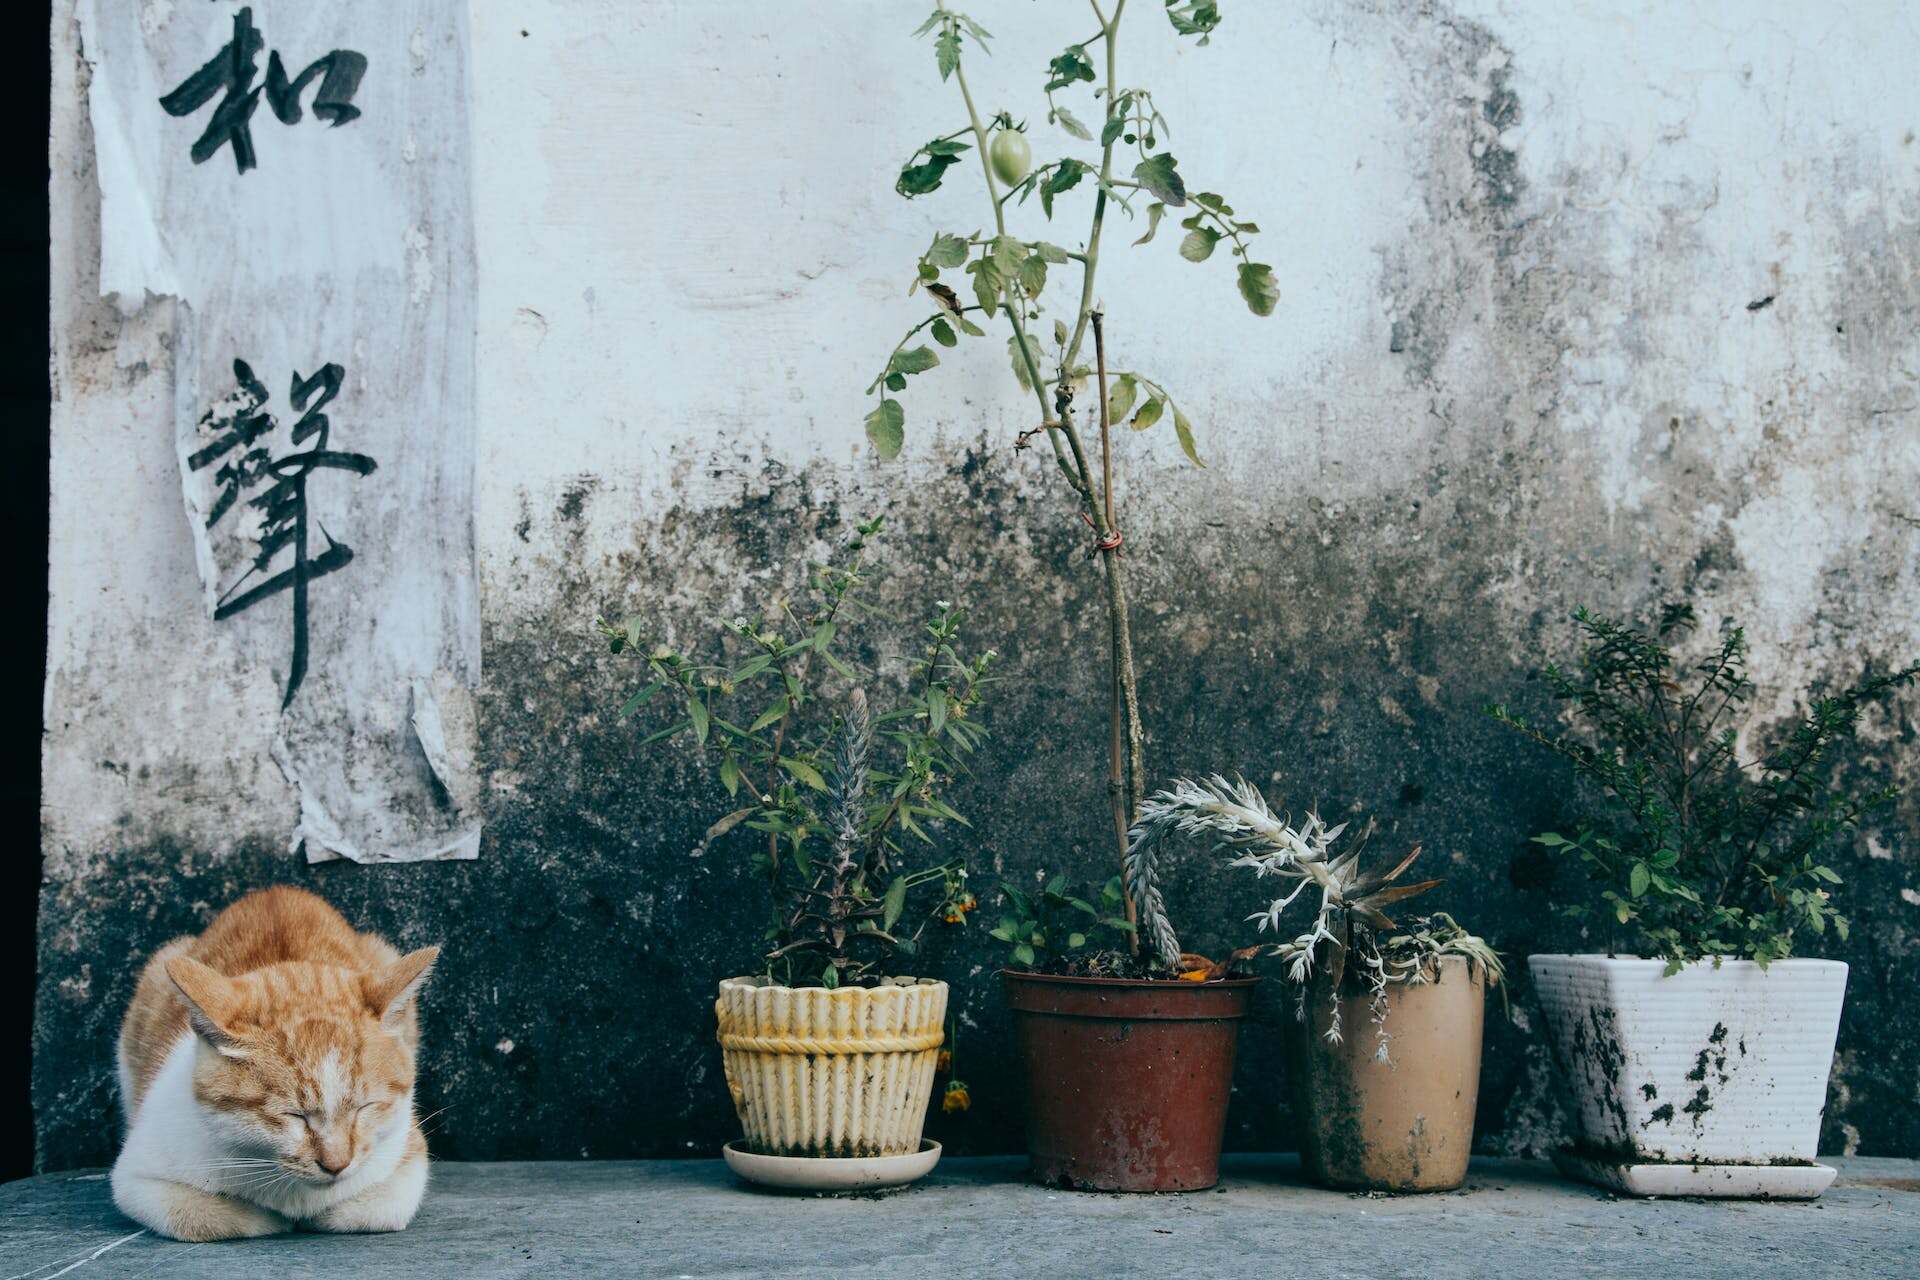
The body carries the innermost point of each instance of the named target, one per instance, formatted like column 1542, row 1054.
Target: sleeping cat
column 266, row 1072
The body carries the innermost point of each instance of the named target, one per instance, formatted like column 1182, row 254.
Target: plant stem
column 1126, row 690
column 1098, row 507
column 1117, row 771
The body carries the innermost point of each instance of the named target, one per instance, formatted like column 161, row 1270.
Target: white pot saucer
column 1715, row 1181
column 831, row 1173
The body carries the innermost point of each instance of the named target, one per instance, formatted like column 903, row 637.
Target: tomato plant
column 1003, row 275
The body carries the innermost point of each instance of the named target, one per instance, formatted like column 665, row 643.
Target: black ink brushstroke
column 233, row 69
column 283, row 503
column 332, row 102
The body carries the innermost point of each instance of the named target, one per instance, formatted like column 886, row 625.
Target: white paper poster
column 296, row 174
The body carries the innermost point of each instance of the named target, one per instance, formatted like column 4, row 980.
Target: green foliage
column 1042, row 930
column 1194, row 17
column 1702, row 854
column 1004, row 272
column 922, row 175
column 840, row 796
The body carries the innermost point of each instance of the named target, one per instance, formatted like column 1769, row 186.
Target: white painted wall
column 691, row 257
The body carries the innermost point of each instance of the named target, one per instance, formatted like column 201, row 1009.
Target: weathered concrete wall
column 1590, row 303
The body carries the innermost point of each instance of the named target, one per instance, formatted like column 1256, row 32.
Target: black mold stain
column 1497, row 165
column 573, row 502
column 1698, row 1107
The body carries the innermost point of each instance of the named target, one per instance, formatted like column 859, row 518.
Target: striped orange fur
column 267, row 1073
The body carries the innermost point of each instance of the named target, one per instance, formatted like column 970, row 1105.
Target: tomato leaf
column 1064, row 177
column 1155, row 212
column 918, row 360
column 1198, row 244
column 1072, row 65
column 886, row 429
column 1184, row 431
column 948, row 250
column 1259, row 288
column 1158, row 175
column 1020, row 365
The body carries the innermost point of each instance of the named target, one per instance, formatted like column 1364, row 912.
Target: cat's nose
column 331, row 1162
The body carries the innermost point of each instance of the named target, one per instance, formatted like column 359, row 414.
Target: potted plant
column 1384, row 1049
column 1698, row 1059
column 1128, row 1067
column 830, row 1058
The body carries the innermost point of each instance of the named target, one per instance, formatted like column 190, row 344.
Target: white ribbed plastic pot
column 1711, row 1066
column 838, row 1073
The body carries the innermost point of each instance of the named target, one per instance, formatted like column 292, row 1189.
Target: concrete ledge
column 976, row 1217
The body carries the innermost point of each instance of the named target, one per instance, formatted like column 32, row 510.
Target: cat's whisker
column 234, row 1164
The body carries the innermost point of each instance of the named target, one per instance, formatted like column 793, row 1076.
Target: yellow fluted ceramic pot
column 846, row 1072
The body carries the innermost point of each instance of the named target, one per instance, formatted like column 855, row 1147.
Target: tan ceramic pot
column 1399, row 1123
column 846, row 1072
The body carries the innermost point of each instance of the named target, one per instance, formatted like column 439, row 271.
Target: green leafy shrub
column 1064, row 928
column 1702, row 854
column 830, row 786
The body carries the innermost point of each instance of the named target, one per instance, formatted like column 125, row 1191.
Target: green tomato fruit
column 1011, row 156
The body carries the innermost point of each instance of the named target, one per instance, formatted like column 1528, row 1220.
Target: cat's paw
column 188, row 1213
column 364, row 1216
column 388, row 1205
column 227, row 1219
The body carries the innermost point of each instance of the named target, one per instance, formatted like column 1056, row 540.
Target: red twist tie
column 1111, row 541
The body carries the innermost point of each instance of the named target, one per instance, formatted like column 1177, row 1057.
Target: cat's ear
column 389, row 990
column 210, row 1000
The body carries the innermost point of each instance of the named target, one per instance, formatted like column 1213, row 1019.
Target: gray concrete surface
column 977, row 1217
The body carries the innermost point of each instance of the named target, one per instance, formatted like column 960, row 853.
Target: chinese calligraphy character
column 232, row 70
column 281, row 498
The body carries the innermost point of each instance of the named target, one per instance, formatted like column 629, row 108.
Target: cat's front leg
column 187, row 1213
column 387, row 1205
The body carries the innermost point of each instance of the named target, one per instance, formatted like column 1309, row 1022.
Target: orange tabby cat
column 266, row 1072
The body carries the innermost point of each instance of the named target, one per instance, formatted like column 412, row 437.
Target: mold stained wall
column 1601, row 302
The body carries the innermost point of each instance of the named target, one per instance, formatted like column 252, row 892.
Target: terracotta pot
column 1404, row 1123
column 1709, row 1081
column 842, row 1073
column 1127, row 1081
